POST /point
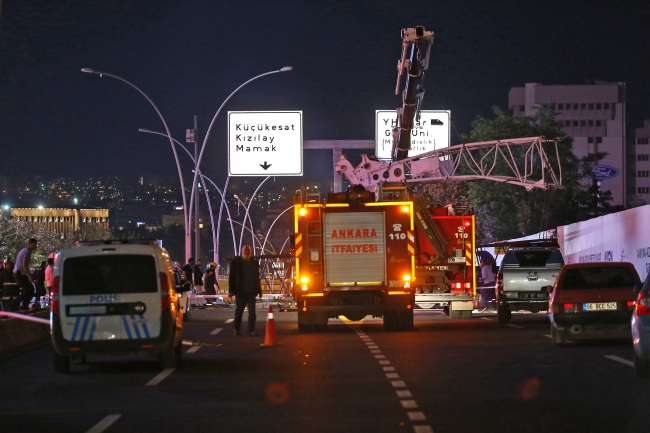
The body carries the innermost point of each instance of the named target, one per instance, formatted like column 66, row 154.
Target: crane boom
column 487, row 160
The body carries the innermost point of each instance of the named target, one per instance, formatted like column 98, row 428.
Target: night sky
column 187, row 56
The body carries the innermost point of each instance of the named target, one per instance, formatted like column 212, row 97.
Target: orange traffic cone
column 270, row 337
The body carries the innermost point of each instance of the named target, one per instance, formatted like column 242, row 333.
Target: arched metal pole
column 188, row 243
column 207, row 134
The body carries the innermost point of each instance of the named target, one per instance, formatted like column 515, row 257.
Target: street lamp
column 188, row 244
column 207, row 134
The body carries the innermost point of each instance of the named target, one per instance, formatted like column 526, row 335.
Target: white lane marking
column 362, row 334
column 384, row 362
column 229, row 321
column 374, row 346
column 380, row 356
column 366, row 339
column 619, row 359
column 216, row 331
column 422, row 429
column 398, row 383
column 409, row 404
column 515, row 326
column 486, row 318
column 416, row 416
column 392, row 375
column 161, row 376
column 193, row 349
column 104, row 424
column 403, row 393
column 550, row 336
column 389, row 368
column 375, row 351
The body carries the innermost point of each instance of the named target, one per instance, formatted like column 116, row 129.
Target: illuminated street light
column 188, row 244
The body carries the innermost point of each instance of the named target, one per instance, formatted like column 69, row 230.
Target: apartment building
column 594, row 115
column 641, row 166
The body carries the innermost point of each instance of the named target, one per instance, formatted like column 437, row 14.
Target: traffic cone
column 270, row 338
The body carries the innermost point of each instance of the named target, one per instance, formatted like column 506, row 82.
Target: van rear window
column 606, row 277
column 92, row 275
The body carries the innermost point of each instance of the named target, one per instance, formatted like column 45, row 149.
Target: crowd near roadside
column 24, row 288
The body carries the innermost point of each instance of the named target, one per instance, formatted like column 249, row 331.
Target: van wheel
column 61, row 363
column 503, row 314
column 641, row 367
column 168, row 358
column 558, row 336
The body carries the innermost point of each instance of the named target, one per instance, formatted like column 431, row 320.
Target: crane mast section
column 497, row 160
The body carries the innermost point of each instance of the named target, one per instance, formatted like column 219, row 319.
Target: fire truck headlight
column 302, row 212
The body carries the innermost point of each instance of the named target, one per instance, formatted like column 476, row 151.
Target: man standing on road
column 487, row 282
column 198, row 282
column 188, row 274
column 23, row 276
column 244, row 285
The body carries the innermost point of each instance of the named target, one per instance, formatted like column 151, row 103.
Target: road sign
column 265, row 143
column 430, row 133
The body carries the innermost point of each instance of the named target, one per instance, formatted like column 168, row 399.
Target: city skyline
column 188, row 57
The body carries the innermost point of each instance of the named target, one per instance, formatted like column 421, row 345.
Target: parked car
column 641, row 330
column 116, row 297
column 524, row 270
column 592, row 299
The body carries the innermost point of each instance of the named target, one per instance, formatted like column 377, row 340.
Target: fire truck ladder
column 430, row 227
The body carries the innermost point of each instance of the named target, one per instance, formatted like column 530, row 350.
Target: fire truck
column 368, row 251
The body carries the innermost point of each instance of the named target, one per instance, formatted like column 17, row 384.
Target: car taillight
column 643, row 304
column 570, row 308
column 54, row 297
column 630, row 305
column 165, row 299
column 499, row 282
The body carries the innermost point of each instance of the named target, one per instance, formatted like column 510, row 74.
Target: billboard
column 432, row 132
column 265, row 143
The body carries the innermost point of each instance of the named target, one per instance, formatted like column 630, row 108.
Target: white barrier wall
column 622, row 236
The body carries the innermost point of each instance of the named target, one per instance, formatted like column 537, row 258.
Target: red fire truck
column 354, row 257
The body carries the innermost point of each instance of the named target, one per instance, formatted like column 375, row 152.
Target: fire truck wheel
column 503, row 314
column 406, row 320
column 391, row 320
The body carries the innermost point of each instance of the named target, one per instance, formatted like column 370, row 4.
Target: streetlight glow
column 286, row 68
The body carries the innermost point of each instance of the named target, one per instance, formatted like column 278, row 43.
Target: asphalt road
column 472, row 375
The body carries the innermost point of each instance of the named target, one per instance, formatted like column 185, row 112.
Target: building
column 640, row 167
column 63, row 221
column 594, row 115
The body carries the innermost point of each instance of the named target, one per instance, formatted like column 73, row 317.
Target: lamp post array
column 187, row 212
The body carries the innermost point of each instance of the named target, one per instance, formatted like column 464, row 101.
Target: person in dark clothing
column 244, row 285
column 23, row 275
column 198, row 283
column 8, row 287
column 210, row 280
column 39, row 280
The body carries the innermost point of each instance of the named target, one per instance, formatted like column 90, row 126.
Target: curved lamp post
column 207, row 134
column 188, row 245
column 215, row 236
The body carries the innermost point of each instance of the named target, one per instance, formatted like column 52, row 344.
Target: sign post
column 430, row 133
column 265, row 143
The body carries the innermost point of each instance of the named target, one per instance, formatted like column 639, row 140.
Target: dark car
column 592, row 299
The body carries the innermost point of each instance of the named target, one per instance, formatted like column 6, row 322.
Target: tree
column 508, row 211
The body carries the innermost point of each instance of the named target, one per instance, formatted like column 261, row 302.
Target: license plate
column 599, row 306
column 533, row 295
column 87, row 310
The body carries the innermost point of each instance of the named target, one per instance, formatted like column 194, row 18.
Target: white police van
column 118, row 297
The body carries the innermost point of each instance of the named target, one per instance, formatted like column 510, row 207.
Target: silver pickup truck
column 522, row 274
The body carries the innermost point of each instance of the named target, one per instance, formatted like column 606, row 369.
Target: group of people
column 203, row 282
column 19, row 285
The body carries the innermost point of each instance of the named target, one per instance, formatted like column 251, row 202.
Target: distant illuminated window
column 643, row 190
column 643, row 173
